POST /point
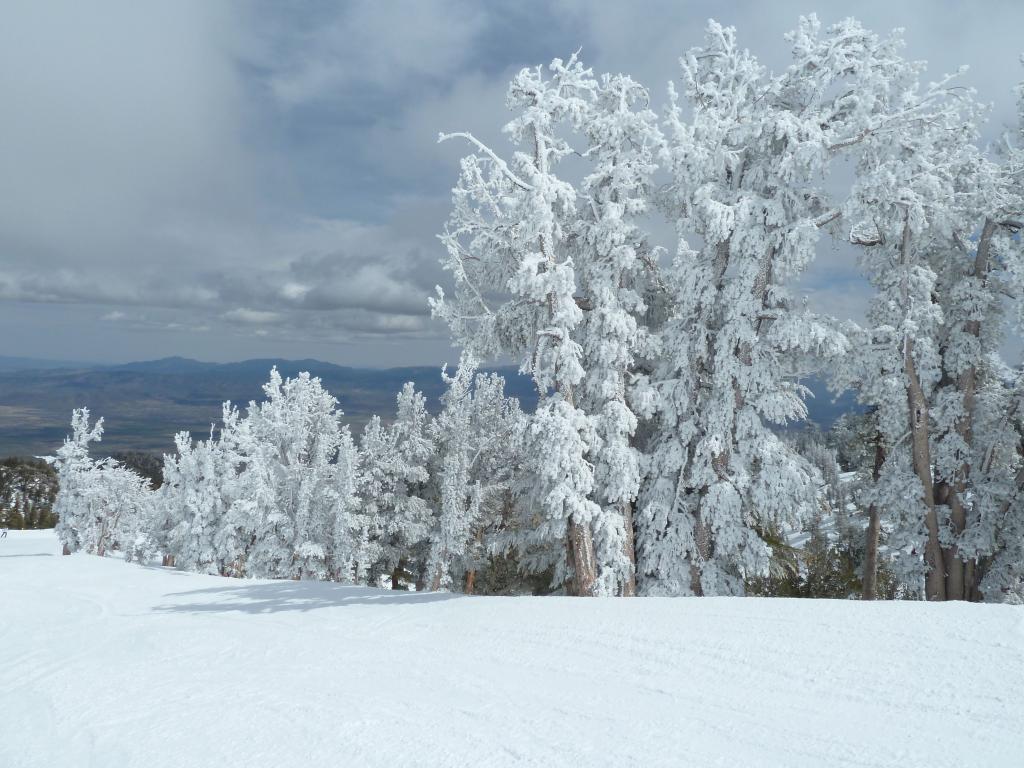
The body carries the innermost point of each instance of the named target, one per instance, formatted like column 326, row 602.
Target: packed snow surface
column 104, row 663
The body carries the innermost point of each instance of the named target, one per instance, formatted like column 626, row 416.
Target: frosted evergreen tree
column 74, row 475
column 459, row 497
column 124, row 504
column 979, row 453
column 248, row 496
column 930, row 212
column 294, row 436
column 194, row 501
column 747, row 168
column 393, row 476
column 348, row 554
column 100, row 505
column 515, row 295
column 614, row 262
column 476, row 434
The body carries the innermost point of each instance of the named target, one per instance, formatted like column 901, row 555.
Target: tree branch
column 501, row 164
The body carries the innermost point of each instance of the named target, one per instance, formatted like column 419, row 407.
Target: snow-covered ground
column 108, row 664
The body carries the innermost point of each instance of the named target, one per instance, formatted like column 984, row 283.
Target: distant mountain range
column 145, row 403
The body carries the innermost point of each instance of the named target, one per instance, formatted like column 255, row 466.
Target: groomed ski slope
column 108, row 664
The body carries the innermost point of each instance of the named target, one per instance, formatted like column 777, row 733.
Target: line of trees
column 653, row 463
column 28, row 488
column 283, row 491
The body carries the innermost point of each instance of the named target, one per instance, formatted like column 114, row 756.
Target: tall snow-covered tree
column 747, row 169
column 74, row 476
column 520, row 235
column 348, row 554
column 935, row 220
column 614, row 261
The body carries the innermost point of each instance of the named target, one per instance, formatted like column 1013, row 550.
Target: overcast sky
column 261, row 179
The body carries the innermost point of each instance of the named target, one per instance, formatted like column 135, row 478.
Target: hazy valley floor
column 103, row 663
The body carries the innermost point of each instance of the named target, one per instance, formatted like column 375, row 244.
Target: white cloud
column 294, row 291
column 252, row 316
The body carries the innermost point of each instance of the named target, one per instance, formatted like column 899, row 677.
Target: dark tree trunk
column 580, row 545
column 397, row 573
column 874, row 526
column 935, row 579
column 629, row 587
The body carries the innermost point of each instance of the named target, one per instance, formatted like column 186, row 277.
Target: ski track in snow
column 103, row 663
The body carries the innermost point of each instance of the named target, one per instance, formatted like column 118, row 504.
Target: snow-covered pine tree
column 747, row 170
column 980, row 288
column 193, row 503
column 376, row 487
column 347, row 554
column 930, row 212
column 516, row 295
column 476, row 435
column 392, row 479
column 124, row 503
column 614, row 260
column 294, row 436
column 458, row 497
column 100, row 505
column 74, row 477
column 248, row 497
column 1000, row 520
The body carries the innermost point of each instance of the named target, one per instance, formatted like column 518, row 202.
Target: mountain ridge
column 144, row 403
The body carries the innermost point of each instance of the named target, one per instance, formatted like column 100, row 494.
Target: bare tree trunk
column 955, row 568
column 470, row 582
column 168, row 561
column 870, row 587
column 101, row 544
column 935, row 580
column 396, row 574
column 874, row 526
column 66, row 550
column 629, row 587
column 583, row 562
column 702, row 542
column 970, row 588
column 959, row 585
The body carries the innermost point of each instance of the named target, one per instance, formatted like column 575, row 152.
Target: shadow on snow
column 283, row 596
column 31, row 554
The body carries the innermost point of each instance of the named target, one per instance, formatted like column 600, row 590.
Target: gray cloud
column 227, row 180
column 370, row 44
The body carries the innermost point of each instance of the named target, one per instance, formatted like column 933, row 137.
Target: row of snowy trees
column 283, row 490
column 653, row 463
column 706, row 349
